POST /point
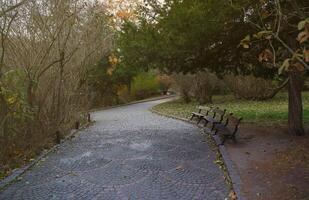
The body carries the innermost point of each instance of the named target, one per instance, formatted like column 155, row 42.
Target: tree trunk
column 3, row 113
column 295, row 104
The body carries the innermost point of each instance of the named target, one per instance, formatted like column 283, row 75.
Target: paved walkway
column 128, row 154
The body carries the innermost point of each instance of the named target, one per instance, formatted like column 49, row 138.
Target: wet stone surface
column 128, row 154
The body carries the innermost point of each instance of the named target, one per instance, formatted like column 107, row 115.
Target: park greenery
column 60, row 58
column 267, row 39
column 270, row 112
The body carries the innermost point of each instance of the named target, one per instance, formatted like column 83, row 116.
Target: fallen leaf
column 179, row 167
column 232, row 195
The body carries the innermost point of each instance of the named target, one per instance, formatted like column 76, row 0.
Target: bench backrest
column 233, row 122
column 205, row 109
column 218, row 113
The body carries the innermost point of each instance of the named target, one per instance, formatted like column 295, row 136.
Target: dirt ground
column 272, row 163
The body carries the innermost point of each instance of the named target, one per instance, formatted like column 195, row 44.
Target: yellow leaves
column 285, row 66
column 11, row 99
column 246, row 46
column 245, row 43
column 304, row 35
column 126, row 14
column 122, row 9
column 113, row 60
column 110, row 71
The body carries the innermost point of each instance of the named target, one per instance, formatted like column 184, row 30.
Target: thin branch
column 290, row 50
column 11, row 8
column 279, row 15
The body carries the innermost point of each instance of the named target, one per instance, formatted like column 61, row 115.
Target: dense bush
column 165, row 82
column 103, row 85
column 205, row 86
column 251, row 88
column 123, row 94
column 183, row 84
column 144, row 85
column 200, row 86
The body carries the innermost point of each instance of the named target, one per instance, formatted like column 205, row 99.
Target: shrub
column 183, row 85
column 251, row 88
column 165, row 83
column 205, row 86
column 123, row 94
column 144, row 85
column 201, row 86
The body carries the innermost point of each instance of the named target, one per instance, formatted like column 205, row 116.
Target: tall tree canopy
column 240, row 37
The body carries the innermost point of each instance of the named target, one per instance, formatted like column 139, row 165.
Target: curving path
column 130, row 153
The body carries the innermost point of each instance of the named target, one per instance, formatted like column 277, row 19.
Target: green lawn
column 271, row 111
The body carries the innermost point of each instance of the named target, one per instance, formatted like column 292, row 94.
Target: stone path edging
column 133, row 102
column 20, row 171
column 231, row 168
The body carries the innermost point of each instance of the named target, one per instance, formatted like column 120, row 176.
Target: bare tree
column 46, row 49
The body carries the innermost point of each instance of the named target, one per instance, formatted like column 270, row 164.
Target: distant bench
column 226, row 125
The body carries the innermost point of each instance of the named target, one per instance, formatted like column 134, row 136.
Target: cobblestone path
column 130, row 153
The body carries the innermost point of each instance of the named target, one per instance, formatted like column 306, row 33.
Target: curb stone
column 17, row 173
column 230, row 166
column 133, row 102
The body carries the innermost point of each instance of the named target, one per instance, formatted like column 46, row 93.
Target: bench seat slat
column 211, row 119
column 198, row 114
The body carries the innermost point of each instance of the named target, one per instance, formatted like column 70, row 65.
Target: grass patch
column 274, row 110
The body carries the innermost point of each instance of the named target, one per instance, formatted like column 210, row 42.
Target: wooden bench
column 201, row 113
column 225, row 125
column 229, row 128
column 215, row 118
